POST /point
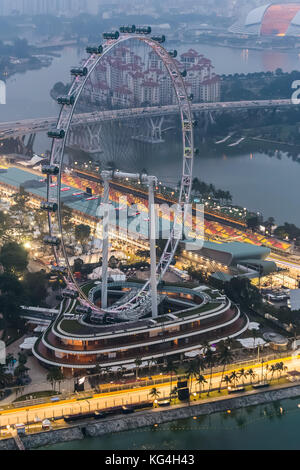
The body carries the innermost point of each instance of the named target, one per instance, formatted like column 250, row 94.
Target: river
column 261, row 183
column 266, row 427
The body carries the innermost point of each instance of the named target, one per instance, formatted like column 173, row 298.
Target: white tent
column 115, row 274
column 252, row 343
column 28, row 344
column 34, row 161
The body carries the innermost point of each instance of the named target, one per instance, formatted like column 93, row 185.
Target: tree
column 14, row 258
column 210, row 361
column 201, row 380
column 5, row 226
column 5, row 379
column 12, row 295
column 82, row 234
column 251, row 374
column 21, row 371
column 40, row 218
column 20, row 208
column 155, row 393
column 191, row 372
column 172, row 369
column 242, row 375
column 225, row 357
column 67, row 222
column 227, row 380
column 138, row 362
column 55, row 375
column 234, row 377
column 35, row 285
column 242, row 292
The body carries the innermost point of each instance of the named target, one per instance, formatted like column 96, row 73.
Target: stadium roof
column 270, row 20
column 234, row 252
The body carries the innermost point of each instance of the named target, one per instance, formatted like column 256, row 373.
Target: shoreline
column 151, row 418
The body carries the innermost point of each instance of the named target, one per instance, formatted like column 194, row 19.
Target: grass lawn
column 35, row 395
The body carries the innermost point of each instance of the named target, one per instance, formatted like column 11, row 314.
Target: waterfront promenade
column 112, row 396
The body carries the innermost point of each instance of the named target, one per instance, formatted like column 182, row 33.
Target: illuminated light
column 229, row 411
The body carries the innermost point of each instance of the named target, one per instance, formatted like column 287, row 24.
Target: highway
column 107, row 400
column 33, row 126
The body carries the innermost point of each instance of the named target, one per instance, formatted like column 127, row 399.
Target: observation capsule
column 114, row 35
column 173, row 53
column 128, row 29
column 52, row 241
column 57, row 134
column 83, row 310
column 143, row 30
column 79, row 71
column 51, row 170
column 94, row 49
column 159, row 39
column 66, row 100
column 70, row 294
column 49, row 206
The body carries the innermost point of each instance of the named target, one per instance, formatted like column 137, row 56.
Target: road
column 106, row 400
column 33, row 126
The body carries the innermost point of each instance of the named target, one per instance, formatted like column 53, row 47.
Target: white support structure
column 106, row 175
column 151, row 181
column 152, row 236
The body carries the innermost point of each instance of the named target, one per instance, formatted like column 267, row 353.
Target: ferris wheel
column 60, row 135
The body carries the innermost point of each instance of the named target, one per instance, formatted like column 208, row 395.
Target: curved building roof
column 271, row 20
column 256, row 16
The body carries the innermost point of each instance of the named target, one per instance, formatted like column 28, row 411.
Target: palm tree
column 174, row 393
column 200, row 363
column 262, row 369
column 138, row 362
column 280, row 369
column 267, row 371
column 272, row 369
column 250, row 373
column 201, row 380
column 172, row 369
column 210, row 360
column 224, row 358
column 154, row 393
column 227, row 380
column 242, row 375
column 191, row 372
column 234, row 376
column 55, row 375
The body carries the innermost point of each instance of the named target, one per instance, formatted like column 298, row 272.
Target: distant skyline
column 74, row 7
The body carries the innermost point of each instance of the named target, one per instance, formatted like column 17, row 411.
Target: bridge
column 91, row 122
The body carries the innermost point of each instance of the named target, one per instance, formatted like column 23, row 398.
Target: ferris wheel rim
column 66, row 115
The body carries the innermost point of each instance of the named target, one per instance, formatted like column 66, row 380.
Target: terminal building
column 81, row 342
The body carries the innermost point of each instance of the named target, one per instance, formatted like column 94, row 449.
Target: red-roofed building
column 122, row 97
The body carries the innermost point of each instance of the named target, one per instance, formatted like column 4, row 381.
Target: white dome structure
column 270, row 20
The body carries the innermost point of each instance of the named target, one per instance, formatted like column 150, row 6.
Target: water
column 230, row 60
column 261, row 183
column 266, row 427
